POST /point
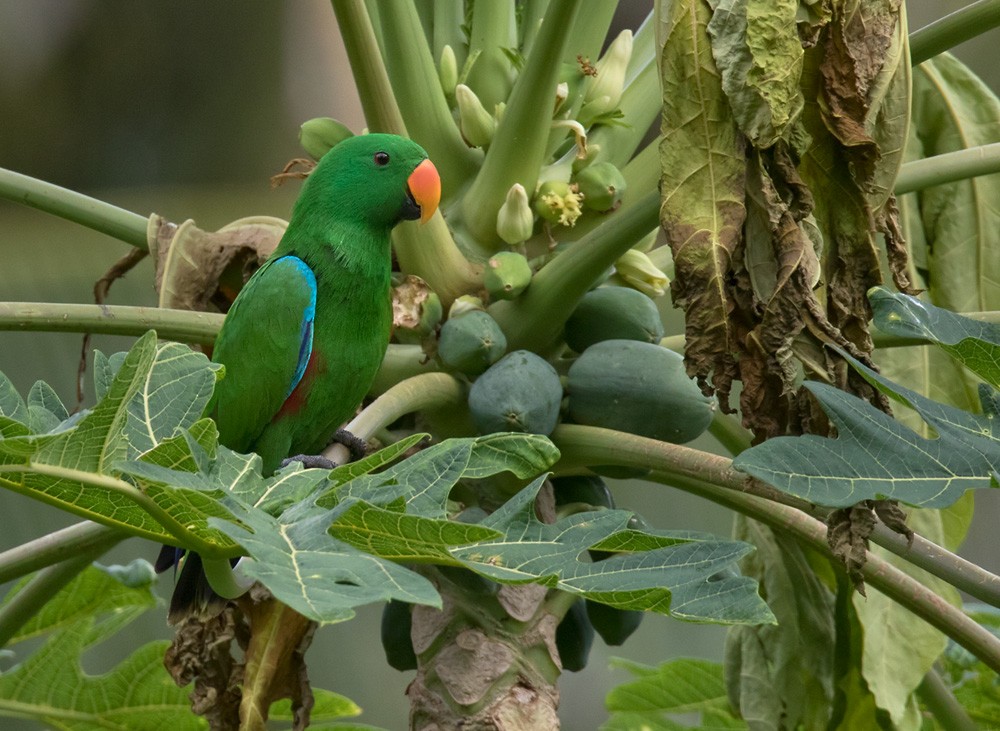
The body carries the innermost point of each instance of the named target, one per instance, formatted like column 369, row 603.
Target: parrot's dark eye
column 381, row 159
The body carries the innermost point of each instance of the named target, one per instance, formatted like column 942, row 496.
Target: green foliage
column 677, row 687
column 874, row 456
column 50, row 686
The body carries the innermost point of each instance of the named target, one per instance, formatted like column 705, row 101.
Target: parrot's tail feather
column 192, row 594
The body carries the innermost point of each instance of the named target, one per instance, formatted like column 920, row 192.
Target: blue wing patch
column 308, row 316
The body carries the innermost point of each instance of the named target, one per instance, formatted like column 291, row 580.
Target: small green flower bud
column 610, row 79
column 318, row 135
column 638, row 271
column 579, row 163
column 448, row 70
column 507, row 274
column 477, row 124
column 602, row 185
column 557, row 202
column 515, row 219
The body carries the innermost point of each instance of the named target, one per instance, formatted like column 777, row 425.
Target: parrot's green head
column 375, row 180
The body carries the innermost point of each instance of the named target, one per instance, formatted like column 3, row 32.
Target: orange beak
column 425, row 187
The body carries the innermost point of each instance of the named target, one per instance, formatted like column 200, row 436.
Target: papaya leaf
column 875, row 457
column 122, row 591
column 759, row 54
column 954, row 110
column 975, row 344
column 702, row 209
column 327, row 706
column 688, row 576
column 148, row 396
column 50, row 686
column 681, row 686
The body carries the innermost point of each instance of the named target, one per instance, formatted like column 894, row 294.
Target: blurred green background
column 186, row 109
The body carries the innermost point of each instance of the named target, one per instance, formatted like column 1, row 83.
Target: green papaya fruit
column 638, row 388
column 506, row 275
column 396, row 624
column 471, row 343
column 574, row 638
column 520, row 392
column 588, row 489
column 614, row 625
column 602, row 186
column 613, row 313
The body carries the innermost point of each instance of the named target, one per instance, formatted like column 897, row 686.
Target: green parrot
column 306, row 335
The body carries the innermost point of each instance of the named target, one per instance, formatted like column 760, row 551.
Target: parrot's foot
column 355, row 445
column 309, row 461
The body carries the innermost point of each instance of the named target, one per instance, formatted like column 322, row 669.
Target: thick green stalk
column 426, row 391
column 937, row 696
column 77, row 207
column 949, row 31
column 713, row 477
column 377, row 100
column 448, row 18
column 535, row 320
column 493, row 30
column 39, row 591
column 531, row 21
column 421, row 99
column 182, row 325
column 584, row 446
column 643, row 49
column 57, row 547
column 518, row 148
column 590, row 30
column 728, row 431
column 948, row 167
column 402, row 362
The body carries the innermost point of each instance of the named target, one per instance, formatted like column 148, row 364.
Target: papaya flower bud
column 610, row 79
column 515, row 219
column 318, row 135
column 476, row 123
column 638, row 271
column 562, row 93
column 507, row 274
column 448, row 70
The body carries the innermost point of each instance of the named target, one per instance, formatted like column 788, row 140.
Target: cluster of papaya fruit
column 617, row 374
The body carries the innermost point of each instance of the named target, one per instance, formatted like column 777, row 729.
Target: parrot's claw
column 355, row 445
column 309, row 461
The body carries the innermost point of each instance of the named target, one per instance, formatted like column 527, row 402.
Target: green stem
column 943, row 704
column 877, row 573
column 57, row 547
column 40, row 589
column 402, row 362
column 518, row 148
column 77, row 207
column 531, row 21
column 534, row 321
column 964, row 575
column 426, row 391
column 174, row 530
column 728, row 431
column 948, row 167
column 181, row 325
column 225, row 579
column 421, row 99
column 493, row 29
column 448, row 18
column 949, row 31
column 583, row 446
column 590, row 31
column 377, row 100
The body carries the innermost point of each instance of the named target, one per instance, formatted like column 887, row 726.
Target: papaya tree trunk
column 487, row 660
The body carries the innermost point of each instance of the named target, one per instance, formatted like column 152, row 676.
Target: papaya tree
column 811, row 185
